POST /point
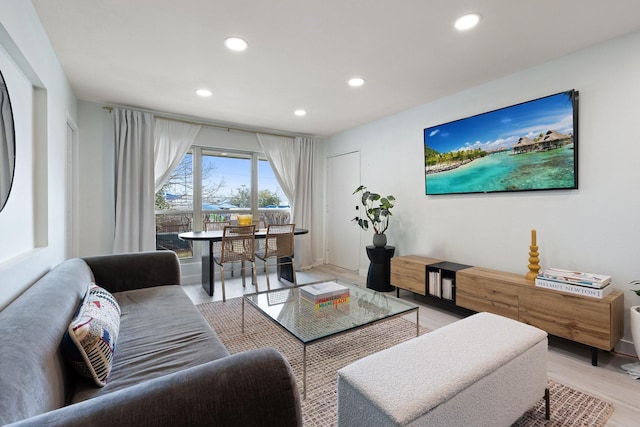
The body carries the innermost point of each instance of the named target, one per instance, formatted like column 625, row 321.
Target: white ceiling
column 154, row 54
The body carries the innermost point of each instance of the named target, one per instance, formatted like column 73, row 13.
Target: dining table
column 285, row 271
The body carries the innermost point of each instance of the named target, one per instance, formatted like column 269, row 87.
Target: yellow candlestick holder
column 534, row 260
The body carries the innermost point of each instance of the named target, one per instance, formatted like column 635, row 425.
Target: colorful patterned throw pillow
column 90, row 340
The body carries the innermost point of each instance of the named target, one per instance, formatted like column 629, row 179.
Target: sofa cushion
column 161, row 332
column 90, row 340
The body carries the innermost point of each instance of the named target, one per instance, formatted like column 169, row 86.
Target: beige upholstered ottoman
column 484, row 370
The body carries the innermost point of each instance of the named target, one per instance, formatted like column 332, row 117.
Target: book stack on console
column 323, row 295
column 575, row 282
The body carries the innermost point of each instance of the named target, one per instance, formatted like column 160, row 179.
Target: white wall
column 32, row 224
column 594, row 228
column 96, row 189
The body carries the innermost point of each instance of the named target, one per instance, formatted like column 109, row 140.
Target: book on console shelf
column 434, row 283
column 576, row 277
column 557, row 285
column 447, row 288
column 321, row 292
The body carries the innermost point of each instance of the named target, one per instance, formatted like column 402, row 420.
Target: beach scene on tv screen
column 529, row 146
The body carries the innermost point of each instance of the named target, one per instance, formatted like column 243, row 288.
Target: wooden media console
column 595, row 322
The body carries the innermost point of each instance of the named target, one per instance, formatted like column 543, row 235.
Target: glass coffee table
column 291, row 309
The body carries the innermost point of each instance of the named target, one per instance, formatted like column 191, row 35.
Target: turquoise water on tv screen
column 506, row 172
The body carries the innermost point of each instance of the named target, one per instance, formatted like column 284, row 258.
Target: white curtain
column 302, row 213
column 7, row 144
column 281, row 155
column 172, row 141
column 135, row 216
column 292, row 162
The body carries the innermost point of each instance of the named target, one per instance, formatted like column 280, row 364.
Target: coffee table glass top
column 308, row 323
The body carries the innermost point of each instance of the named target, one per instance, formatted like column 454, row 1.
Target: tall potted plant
column 377, row 210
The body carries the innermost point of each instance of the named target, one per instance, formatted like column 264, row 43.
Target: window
column 226, row 181
column 273, row 204
column 174, row 209
column 270, row 194
column 216, row 185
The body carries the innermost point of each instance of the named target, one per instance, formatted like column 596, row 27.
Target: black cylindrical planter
column 379, row 276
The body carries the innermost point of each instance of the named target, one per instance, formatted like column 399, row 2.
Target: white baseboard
column 191, row 279
column 626, row 347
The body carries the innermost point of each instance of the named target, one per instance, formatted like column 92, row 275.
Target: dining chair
column 238, row 244
column 260, row 225
column 215, row 226
column 278, row 244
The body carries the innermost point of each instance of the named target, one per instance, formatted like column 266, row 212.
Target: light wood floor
column 569, row 363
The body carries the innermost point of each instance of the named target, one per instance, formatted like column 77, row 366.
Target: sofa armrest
column 252, row 388
column 124, row 272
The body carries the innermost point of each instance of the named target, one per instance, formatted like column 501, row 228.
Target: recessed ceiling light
column 203, row 92
column 300, row 113
column 467, row 22
column 236, row 44
column 356, row 81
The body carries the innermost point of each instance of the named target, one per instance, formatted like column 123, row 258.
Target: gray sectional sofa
column 169, row 367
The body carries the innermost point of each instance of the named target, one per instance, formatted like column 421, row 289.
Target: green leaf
column 377, row 210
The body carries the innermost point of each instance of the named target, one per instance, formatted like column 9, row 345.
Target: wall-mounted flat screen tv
column 524, row 147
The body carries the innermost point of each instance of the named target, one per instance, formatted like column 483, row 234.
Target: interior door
column 343, row 236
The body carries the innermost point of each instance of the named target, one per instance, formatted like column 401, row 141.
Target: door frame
column 353, row 261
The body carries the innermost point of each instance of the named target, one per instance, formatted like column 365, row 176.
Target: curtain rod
column 203, row 123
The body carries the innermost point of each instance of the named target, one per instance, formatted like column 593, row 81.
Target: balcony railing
column 169, row 224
